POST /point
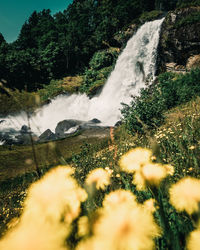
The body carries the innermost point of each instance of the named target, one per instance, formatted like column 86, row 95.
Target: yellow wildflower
column 119, row 197
column 134, row 159
column 99, row 177
column 185, row 195
column 153, row 158
column 153, row 174
column 149, row 205
column 193, row 242
column 169, row 169
column 51, row 205
column 192, row 147
column 124, row 228
column 139, row 181
column 83, row 226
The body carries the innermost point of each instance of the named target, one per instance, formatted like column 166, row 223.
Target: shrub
column 51, row 90
column 150, row 16
column 147, row 110
column 101, row 66
column 104, row 58
column 94, row 79
column 17, row 101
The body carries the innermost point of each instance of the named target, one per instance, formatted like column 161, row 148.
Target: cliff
column 179, row 45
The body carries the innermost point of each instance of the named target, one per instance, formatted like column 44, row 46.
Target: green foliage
column 190, row 19
column 150, row 16
column 94, row 79
column 187, row 3
column 15, row 101
column 100, row 66
column 51, row 90
column 147, row 110
column 104, row 58
column 144, row 111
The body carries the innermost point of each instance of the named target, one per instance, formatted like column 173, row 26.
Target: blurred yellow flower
column 153, row 174
column 119, row 197
column 169, row 169
column 123, row 228
column 134, row 159
column 51, row 205
column 153, row 158
column 83, row 226
column 185, row 195
column 99, row 177
column 193, row 242
column 139, row 181
column 139, row 162
column 149, row 205
column 192, row 147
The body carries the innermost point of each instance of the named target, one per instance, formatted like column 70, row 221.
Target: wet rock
column 22, row 139
column 25, row 129
column 63, row 127
column 119, row 123
column 47, row 135
column 73, row 130
column 95, row 120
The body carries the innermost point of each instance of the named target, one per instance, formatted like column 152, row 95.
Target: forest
column 53, row 46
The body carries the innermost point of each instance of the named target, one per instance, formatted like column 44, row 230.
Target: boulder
column 73, row 130
column 22, row 139
column 47, row 135
column 63, row 127
column 25, row 129
column 95, row 120
column 119, row 123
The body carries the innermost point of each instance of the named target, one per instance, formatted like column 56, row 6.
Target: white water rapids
column 135, row 64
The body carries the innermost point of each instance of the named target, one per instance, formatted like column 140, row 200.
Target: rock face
column 180, row 38
column 193, row 62
column 47, row 135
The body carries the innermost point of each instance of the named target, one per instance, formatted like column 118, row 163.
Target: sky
column 14, row 13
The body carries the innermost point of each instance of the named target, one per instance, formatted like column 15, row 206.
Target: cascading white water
column 135, row 64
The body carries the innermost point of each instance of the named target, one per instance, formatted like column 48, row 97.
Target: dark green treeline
column 50, row 47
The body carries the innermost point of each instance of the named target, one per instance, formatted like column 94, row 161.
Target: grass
column 17, row 169
column 176, row 142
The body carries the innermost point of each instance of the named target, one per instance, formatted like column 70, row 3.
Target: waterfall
column 134, row 66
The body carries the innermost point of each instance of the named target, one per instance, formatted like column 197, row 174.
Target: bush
column 51, row 90
column 147, row 110
column 100, row 66
column 15, row 101
column 104, row 58
column 94, row 79
column 150, row 16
